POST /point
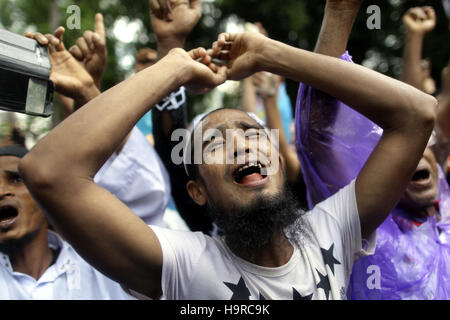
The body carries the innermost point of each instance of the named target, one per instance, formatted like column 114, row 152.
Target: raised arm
column 262, row 80
column 418, row 22
column 337, row 23
column 406, row 114
column 59, row 171
column 172, row 33
column 443, row 119
column 172, row 21
column 90, row 50
column 69, row 76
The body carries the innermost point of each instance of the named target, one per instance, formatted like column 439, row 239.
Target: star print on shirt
column 298, row 296
column 328, row 257
column 240, row 290
column 324, row 283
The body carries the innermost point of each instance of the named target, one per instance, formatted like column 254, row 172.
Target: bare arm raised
column 59, row 171
column 172, row 21
column 418, row 22
column 406, row 114
column 444, row 103
column 337, row 24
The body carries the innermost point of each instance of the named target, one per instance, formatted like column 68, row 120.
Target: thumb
column 59, row 33
column 222, row 75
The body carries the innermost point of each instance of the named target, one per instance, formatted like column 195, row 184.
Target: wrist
column 343, row 6
column 164, row 45
column 177, row 67
column 87, row 93
column 266, row 56
column 270, row 57
column 415, row 34
column 270, row 100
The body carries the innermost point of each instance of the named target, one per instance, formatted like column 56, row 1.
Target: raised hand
column 420, row 20
column 266, row 84
column 68, row 75
column 173, row 20
column 91, row 50
column 241, row 52
column 203, row 75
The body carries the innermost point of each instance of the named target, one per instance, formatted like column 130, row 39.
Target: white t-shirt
column 196, row 266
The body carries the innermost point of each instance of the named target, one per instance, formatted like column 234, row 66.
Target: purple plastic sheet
column 333, row 142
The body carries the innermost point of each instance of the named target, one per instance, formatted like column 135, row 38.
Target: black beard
column 248, row 228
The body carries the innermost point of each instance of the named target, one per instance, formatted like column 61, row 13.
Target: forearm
column 412, row 60
column 87, row 138
column 336, row 27
column 443, row 114
column 370, row 93
column 274, row 122
column 248, row 95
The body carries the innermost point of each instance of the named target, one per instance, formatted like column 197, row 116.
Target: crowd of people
column 346, row 200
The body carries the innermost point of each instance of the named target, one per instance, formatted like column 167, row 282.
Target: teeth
column 249, row 165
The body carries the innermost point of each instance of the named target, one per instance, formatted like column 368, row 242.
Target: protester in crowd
column 418, row 22
column 145, row 58
column 134, row 173
column 412, row 243
column 252, row 100
column 170, row 114
column 35, row 263
column 273, row 118
column 260, row 255
column 15, row 136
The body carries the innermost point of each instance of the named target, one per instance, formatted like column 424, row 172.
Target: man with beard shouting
column 270, row 248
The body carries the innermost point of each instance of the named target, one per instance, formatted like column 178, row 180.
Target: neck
column 32, row 255
column 421, row 212
column 275, row 253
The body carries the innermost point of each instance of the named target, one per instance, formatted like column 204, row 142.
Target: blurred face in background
column 145, row 58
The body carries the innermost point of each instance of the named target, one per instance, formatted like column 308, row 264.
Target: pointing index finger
column 99, row 25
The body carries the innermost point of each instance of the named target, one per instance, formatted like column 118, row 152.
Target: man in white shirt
column 36, row 263
column 321, row 245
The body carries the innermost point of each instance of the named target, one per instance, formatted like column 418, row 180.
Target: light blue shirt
column 69, row 278
column 138, row 178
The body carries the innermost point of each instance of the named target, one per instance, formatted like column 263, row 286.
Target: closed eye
column 214, row 146
column 14, row 177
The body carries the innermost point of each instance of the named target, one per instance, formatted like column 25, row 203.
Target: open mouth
column 249, row 174
column 421, row 175
column 8, row 213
